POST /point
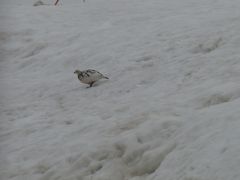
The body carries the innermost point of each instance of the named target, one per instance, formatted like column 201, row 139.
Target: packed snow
column 169, row 111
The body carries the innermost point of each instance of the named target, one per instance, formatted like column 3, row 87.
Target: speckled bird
column 89, row 76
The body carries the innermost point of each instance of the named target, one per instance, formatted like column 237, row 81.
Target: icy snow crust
column 170, row 110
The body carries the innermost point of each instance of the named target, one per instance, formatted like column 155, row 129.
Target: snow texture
column 169, row 111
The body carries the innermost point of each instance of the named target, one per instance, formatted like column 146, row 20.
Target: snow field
column 169, row 111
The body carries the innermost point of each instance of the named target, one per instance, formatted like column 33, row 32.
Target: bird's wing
column 91, row 71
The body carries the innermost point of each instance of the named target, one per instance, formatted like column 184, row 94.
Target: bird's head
column 77, row 72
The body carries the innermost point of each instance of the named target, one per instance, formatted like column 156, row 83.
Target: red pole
column 56, row 2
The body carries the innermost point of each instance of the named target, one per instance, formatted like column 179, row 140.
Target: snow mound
column 38, row 3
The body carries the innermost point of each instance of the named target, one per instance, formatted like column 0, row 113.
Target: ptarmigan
column 89, row 76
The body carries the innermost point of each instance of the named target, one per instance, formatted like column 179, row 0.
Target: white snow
column 170, row 110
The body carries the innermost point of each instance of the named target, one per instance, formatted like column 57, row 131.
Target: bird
column 89, row 76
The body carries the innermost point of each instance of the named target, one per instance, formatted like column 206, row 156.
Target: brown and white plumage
column 89, row 76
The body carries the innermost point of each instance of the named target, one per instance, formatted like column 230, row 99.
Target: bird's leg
column 90, row 85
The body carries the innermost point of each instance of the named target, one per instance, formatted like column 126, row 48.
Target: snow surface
column 170, row 110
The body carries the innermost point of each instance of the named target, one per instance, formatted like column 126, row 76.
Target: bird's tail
column 105, row 77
